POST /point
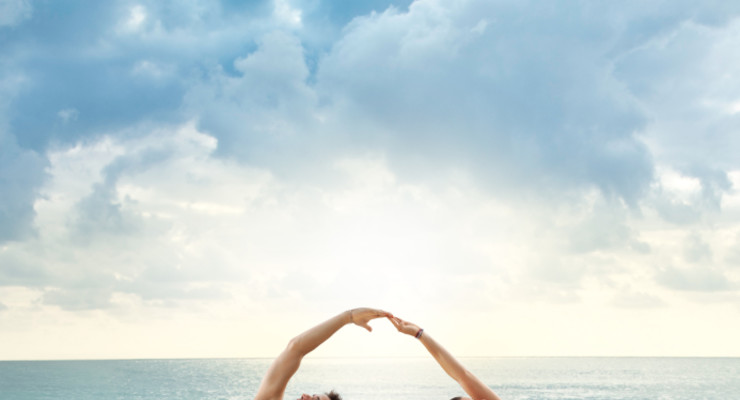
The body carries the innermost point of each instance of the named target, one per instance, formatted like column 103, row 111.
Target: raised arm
column 287, row 363
column 469, row 382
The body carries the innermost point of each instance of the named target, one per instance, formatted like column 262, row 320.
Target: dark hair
column 456, row 398
column 333, row 395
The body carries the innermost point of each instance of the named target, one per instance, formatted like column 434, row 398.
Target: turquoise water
column 375, row 379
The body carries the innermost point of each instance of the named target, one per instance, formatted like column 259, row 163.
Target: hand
column 404, row 326
column 361, row 316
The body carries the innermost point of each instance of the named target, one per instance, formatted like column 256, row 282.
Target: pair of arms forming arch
column 286, row 364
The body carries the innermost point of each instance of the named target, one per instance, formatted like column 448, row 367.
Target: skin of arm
column 286, row 364
column 476, row 389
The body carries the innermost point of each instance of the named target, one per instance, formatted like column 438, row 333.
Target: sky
column 208, row 178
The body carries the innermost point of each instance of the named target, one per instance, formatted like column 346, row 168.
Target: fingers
column 364, row 315
column 372, row 313
column 398, row 323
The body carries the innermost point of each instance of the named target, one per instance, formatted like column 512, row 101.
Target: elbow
column 294, row 346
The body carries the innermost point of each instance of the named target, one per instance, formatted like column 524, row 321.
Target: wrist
column 351, row 316
column 419, row 333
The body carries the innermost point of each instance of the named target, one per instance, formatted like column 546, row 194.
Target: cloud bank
column 294, row 152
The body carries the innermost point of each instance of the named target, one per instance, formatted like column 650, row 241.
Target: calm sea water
column 375, row 379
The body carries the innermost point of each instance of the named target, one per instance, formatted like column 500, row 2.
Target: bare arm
column 286, row 364
column 469, row 382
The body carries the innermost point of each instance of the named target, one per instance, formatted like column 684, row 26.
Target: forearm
column 451, row 366
column 467, row 380
column 312, row 338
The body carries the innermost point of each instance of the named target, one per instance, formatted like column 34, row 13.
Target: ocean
column 375, row 379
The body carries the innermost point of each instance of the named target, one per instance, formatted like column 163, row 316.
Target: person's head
column 323, row 396
column 461, row 398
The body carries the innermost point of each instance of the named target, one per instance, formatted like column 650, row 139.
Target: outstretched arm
column 287, row 363
column 469, row 382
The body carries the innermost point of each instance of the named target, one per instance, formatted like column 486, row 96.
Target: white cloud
column 684, row 188
column 550, row 169
column 734, row 108
column 686, row 83
column 266, row 114
column 216, row 234
column 690, row 196
column 434, row 91
column 134, row 21
column 182, row 219
column 286, row 14
column 694, row 279
column 22, row 170
column 697, row 251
